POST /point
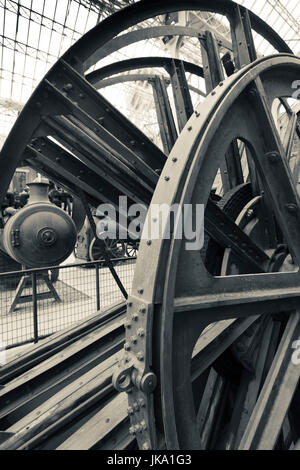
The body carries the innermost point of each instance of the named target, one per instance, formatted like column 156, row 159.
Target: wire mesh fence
column 38, row 302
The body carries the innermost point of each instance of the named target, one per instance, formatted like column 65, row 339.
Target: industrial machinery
column 210, row 334
column 89, row 247
column 40, row 234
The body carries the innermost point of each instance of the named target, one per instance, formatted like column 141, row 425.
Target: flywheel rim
column 156, row 292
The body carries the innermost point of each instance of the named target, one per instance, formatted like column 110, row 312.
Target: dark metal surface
column 180, row 282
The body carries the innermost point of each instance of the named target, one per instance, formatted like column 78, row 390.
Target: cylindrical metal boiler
column 40, row 234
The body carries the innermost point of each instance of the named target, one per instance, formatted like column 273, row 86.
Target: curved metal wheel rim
column 162, row 272
column 112, row 248
column 83, row 55
column 143, row 10
column 132, row 250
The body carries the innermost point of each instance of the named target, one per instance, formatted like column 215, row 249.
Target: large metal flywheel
column 174, row 364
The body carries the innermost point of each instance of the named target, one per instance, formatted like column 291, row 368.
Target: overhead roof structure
column 34, row 33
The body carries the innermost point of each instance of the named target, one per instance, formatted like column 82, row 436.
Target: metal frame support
column 164, row 113
column 212, row 66
column 242, row 39
column 105, row 254
column 182, row 97
column 231, row 170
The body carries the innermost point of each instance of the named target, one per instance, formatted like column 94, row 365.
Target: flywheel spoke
column 228, row 234
column 230, row 299
column 254, row 274
column 275, row 397
column 286, row 204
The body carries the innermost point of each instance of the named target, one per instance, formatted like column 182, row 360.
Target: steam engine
column 39, row 234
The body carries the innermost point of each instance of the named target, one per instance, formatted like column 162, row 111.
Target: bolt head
column 148, row 382
column 136, row 406
column 140, row 356
column 143, row 425
column 138, row 428
column 273, row 157
column 133, row 339
column 292, row 208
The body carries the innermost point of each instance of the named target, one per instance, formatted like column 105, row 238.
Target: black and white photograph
column 149, row 228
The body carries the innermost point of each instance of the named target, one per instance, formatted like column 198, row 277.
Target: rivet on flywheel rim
column 133, row 339
column 174, row 159
column 138, row 428
column 136, row 406
column 127, row 346
column 143, row 425
column 149, row 242
column 167, row 178
column 141, row 402
column 140, row 356
column 140, row 291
